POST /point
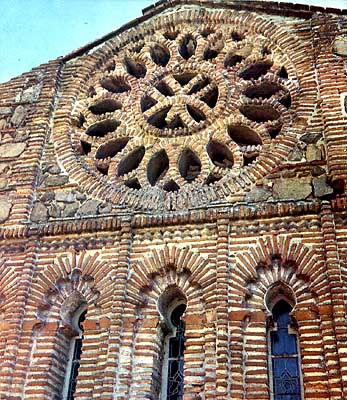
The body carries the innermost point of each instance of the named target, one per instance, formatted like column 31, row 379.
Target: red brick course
column 71, row 236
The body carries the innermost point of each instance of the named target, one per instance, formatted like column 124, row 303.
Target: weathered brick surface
column 266, row 203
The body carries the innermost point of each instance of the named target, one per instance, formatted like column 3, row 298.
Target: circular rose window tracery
column 181, row 115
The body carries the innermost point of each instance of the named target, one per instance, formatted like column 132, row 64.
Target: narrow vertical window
column 285, row 365
column 176, row 356
column 172, row 304
column 74, row 361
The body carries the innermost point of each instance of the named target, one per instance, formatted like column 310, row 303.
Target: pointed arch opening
column 76, row 316
column 285, row 375
column 172, row 305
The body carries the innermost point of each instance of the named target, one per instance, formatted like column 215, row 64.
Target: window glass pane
column 77, row 351
column 286, row 377
column 175, row 384
column 174, row 350
column 284, row 354
column 176, row 362
column 74, row 368
column 283, row 343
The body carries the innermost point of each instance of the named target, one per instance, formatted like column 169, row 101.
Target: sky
column 36, row 31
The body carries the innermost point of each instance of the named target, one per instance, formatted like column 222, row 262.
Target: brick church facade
column 173, row 210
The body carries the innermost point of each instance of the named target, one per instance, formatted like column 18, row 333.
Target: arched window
column 284, row 355
column 172, row 305
column 176, row 356
column 74, row 354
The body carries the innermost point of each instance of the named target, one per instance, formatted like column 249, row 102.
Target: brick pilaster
column 222, row 339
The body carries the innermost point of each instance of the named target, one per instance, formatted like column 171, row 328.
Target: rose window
column 177, row 113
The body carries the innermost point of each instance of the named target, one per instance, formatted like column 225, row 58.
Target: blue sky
column 35, row 31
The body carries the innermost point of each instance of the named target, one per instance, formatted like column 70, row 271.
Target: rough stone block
column 10, row 150
column 39, row 213
column 340, row 45
column 5, row 208
column 292, row 188
column 321, row 187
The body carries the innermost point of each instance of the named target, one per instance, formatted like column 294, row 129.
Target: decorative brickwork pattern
column 186, row 115
column 67, row 284
column 195, row 156
column 162, row 269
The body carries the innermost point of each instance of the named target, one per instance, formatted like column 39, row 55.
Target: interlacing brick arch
column 307, row 262
column 160, row 262
column 277, row 273
column 82, row 273
column 295, row 267
column 168, row 267
column 8, row 286
column 63, row 286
